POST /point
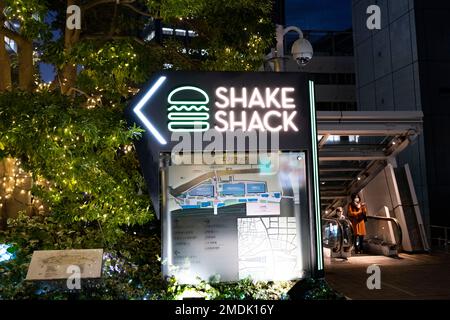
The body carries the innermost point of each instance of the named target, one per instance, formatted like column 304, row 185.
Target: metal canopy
column 355, row 146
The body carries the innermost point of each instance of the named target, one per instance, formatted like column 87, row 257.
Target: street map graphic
column 267, row 248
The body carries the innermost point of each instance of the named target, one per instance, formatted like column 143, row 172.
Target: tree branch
column 77, row 90
column 125, row 3
column 137, row 10
column 113, row 22
column 100, row 2
column 106, row 37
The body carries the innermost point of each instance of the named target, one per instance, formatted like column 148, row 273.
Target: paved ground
column 415, row 276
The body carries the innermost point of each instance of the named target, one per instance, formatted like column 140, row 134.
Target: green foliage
column 315, row 289
column 29, row 15
column 85, row 154
column 131, row 269
column 112, row 68
column 235, row 34
column 82, row 159
column 245, row 289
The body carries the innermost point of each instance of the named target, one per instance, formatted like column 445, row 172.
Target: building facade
column 403, row 67
column 332, row 69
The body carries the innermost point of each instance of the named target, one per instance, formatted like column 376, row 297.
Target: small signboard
column 56, row 264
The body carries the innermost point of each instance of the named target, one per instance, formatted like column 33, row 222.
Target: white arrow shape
column 137, row 109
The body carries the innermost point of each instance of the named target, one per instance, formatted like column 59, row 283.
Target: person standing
column 357, row 213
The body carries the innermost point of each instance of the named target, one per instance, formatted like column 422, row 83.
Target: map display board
column 231, row 222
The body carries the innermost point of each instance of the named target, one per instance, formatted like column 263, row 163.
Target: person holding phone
column 357, row 214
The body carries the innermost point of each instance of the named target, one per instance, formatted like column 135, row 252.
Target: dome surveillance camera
column 302, row 51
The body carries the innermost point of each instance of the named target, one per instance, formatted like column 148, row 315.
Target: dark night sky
column 330, row 15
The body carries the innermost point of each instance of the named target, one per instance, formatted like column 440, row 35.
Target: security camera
column 302, row 51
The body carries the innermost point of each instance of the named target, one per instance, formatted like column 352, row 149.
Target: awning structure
column 355, row 146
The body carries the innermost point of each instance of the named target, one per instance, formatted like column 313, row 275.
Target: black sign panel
column 224, row 101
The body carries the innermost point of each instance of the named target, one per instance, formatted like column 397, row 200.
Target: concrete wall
column 433, row 42
column 383, row 191
column 387, row 75
column 323, row 64
column 328, row 65
column 380, row 192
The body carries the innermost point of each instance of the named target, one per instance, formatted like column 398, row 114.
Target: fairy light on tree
column 70, row 134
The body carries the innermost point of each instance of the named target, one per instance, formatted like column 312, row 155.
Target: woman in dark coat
column 357, row 215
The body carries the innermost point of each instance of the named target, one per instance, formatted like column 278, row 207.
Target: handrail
column 446, row 233
column 395, row 221
column 341, row 229
column 341, row 242
column 350, row 240
column 441, row 227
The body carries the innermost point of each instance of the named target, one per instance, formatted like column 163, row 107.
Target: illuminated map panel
column 235, row 221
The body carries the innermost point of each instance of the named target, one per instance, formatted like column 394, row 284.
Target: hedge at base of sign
column 314, row 289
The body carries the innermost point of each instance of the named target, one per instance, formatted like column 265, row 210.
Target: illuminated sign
column 188, row 115
column 241, row 219
column 142, row 102
column 221, row 104
column 267, row 109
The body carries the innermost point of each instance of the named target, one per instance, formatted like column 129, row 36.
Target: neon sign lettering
column 275, row 120
column 268, row 109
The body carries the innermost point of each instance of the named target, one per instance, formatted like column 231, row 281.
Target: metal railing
column 337, row 233
column 397, row 235
column 442, row 238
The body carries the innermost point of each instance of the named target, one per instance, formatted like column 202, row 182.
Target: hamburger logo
column 188, row 110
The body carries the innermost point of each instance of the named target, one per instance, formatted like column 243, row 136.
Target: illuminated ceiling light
column 359, row 178
column 137, row 109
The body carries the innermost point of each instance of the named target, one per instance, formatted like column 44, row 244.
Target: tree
column 106, row 23
column 5, row 62
column 71, row 134
column 24, row 19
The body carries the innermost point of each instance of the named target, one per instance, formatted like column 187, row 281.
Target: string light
column 15, row 184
